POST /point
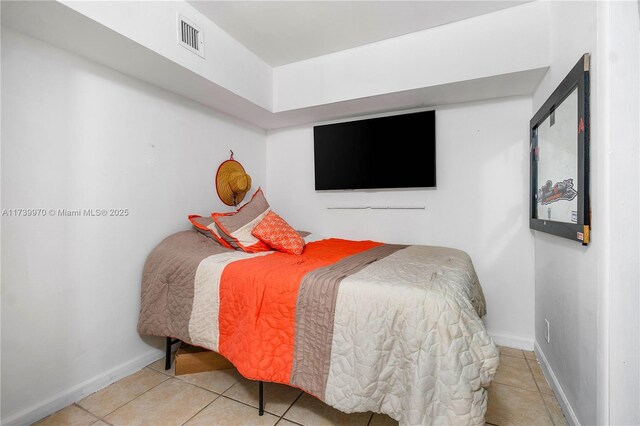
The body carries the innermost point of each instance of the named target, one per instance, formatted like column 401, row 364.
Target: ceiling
column 282, row 32
column 59, row 24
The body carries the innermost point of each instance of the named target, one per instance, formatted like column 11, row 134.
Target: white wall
column 619, row 93
column 153, row 24
column 508, row 41
column 78, row 135
column 480, row 205
column 566, row 272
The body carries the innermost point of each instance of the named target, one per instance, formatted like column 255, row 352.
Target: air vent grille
column 190, row 36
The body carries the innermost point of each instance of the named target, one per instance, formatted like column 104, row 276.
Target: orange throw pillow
column 278, row 234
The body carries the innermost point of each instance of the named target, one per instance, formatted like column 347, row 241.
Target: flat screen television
column 397, row 151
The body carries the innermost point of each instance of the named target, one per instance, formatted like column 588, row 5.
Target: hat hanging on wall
column 232, row 182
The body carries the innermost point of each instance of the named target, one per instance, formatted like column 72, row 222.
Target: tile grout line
column 248, row 405
column 82, row 408
column 289, row 421
column 206, row 389
column 516, row 387
column 534, row 377
column 203, row 388
column 162, row 371
column 128, row 402
column 104, row 421
column 540, row 391
column 77, row 403
column 218, row 395
column 168, row 377
column 515, row 356
column 223, row 394
column 292, row 404
column 202, row 409
column 520, row 387
column 281, row 417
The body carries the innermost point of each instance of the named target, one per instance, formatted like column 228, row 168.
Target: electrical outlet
column 546, row 331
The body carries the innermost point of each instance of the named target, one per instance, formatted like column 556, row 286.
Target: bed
column 361, row 325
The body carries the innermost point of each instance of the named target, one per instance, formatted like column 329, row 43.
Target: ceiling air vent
column 190, row 37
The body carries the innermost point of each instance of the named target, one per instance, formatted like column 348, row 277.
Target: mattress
column 361, row 325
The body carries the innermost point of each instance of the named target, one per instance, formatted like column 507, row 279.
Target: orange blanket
column 258, row 306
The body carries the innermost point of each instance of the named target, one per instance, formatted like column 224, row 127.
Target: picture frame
column 559, row 159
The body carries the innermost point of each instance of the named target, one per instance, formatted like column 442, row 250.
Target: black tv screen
column 398, row 151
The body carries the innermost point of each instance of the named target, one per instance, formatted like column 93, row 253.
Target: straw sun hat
column 232, row 182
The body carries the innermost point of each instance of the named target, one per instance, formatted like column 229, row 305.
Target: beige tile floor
column 519, row 395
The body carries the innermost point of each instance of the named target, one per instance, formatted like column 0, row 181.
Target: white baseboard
column 511, row 341
column 555, row 385
column 76, row 393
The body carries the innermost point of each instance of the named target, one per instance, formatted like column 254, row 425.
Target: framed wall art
column 559, row 145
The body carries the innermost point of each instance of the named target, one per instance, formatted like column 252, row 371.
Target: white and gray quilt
column 385, row 328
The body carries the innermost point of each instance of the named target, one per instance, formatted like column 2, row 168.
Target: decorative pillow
column 278, row 234
column 207, row 226
column 235, row 228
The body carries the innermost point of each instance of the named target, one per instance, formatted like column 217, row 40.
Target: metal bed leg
column 167, row 355
column 260, row 398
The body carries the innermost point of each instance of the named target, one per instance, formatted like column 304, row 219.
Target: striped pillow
column 207, row 226
column 235, row 228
